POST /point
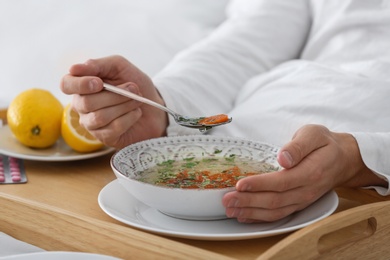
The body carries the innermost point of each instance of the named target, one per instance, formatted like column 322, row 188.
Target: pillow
column 40, row 40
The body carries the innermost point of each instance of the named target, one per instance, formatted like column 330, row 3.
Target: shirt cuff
column 374, row 148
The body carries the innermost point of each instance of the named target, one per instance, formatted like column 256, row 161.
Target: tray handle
column 357, row 233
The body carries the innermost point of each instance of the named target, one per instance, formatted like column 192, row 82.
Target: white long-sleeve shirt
column 276, row 65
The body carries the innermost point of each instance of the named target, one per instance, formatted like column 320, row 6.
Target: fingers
column 267, row 206
column 87, row 68
column 310, row 171
column 251, row 215
column 84, row 83
column 315, row 161
column 106, row 67
column 113, row 119
column 101, row 109
column 104, row 116
column 269, row 197
column 274, row 181
column 305, row 141
column 90, row 103
column 113, row 133
column 87, row 78
column 80, row 85
column 82, row 79
column 107, row 115
column 268, row 200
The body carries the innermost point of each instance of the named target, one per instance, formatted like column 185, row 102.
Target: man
column 278, row 68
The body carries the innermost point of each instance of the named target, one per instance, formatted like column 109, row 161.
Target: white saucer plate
column 58, row 152
column 115, row 201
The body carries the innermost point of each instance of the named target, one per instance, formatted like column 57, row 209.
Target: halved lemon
column 76, row 136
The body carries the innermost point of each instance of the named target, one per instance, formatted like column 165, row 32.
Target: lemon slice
column 76, row 136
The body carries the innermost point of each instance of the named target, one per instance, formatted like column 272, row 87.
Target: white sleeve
column 374, row 148
column 257, row 36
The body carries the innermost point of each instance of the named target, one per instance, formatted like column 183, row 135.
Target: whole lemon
column 34, row 117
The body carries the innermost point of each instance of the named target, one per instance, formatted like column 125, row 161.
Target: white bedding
column 40, row 40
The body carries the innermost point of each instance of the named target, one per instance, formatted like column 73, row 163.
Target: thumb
column 306, row 140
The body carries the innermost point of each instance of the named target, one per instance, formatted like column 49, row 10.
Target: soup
column 203, row 173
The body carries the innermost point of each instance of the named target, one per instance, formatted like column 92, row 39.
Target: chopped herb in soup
column 204, row 173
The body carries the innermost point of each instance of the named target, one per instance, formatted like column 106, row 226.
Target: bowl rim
column 146, row 142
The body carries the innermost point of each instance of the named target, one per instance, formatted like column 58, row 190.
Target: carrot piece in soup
column 214, row 119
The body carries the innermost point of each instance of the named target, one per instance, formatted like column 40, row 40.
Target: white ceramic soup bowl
column 130, row 162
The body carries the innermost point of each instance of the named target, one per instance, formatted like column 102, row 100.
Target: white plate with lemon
column 60, row 151
column 39, row 128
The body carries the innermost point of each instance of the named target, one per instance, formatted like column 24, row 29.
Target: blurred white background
column 41, row 39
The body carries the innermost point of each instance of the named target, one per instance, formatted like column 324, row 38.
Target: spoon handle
column 136, row 97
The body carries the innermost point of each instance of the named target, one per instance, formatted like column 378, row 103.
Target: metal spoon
column 192, row 122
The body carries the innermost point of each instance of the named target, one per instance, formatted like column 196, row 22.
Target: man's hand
column 315, row 161
column 113, row 119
